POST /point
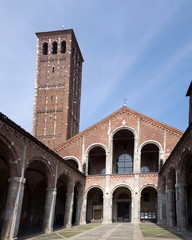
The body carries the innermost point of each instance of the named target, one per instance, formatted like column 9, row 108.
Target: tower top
column 61, row 32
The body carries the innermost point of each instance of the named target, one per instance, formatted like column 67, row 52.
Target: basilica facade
column 126, row 168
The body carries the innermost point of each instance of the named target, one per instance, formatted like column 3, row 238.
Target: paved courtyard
column 115, row 231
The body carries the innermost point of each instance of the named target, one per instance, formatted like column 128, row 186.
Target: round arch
column 74, row 159
column 119, row 185
column 147, row 185
column 150, row 142
column 148, row 201
column 90, row 147
column 94, row 212
column 49, row 170
column 121, row 203
column 94, row 186
column 96, row 159
column 124, row 128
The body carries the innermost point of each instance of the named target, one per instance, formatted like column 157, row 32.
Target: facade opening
column 121, row 210
column 123, row 152
column 148, row 204
column 54, row 48
column 94, row 205
column 96, row 161
column 149, row 158
column 45, row 48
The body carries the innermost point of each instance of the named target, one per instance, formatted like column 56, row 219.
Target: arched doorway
column 148, row 204
column 62, row 188
column 32, row 213
column 4, row 176
column 94, row 205
column 149, row 158
column 96, row 161
column 123, row 152
column 121, row 209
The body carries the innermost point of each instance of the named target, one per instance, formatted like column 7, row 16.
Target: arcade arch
column 121, row 204
column 94, row 211
column 32, row 213
column 148, row 204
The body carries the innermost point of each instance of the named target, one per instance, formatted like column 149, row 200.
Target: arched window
column 54, row 48
column 124, row 164
column 45, row 48
column 145, row 169
column 63, row 47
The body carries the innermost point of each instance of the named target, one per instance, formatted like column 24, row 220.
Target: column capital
column 17, row 180
column 180, row 185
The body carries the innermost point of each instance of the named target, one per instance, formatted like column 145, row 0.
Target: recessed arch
column 124, row 128
column 95, row 145
column 63, row 47
column 149, row 152
column 148, row 203
column 73, row 161
column 123, row 151
column 38, row 179
column 150, row 142
column 121, row 203
column 94, row 211
column 96, row 160
column 121, row 185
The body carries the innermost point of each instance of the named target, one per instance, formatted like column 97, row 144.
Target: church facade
column 126, row 168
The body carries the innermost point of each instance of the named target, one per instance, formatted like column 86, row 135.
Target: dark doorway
column 123, row 211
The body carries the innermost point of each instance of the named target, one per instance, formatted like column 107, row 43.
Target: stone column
column 13, row 208
column 160, row 209
column 83, row 211
column 135, row 214
column 170, row 207
column 107, row 209
column 49, row 210
column 181, row 206
column 68, row 209
column 79, row 210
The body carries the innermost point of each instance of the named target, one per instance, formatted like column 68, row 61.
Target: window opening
column 63, row 47
column 45, row 48
column 124, row 164
column 54, row 48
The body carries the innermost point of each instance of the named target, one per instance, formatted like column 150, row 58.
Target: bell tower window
column 45, row 48
column 63, row 47
column 54, row 48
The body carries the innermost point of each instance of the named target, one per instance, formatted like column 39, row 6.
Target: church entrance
column 123, row 211
column 121, row 205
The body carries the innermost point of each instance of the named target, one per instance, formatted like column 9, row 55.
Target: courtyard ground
column 115, row 231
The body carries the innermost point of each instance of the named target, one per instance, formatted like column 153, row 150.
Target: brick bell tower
column 58, row 87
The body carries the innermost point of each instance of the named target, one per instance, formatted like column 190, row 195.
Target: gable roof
column 124, row 109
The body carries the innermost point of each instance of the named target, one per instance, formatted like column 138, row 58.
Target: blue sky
column 134, row 49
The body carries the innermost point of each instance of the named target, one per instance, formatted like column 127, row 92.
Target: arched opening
column 172, row 197
column 96, row 161
column 189, row 189
column 149, row 158
column 73, row 163
column 62, row 186
column 121, row 209
column 4, row 176
column 63, row 47
column 123, row 152
column 148, row 204
column 54, row 48
column 45, row 48
column 94, row 205
column 32, row 212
